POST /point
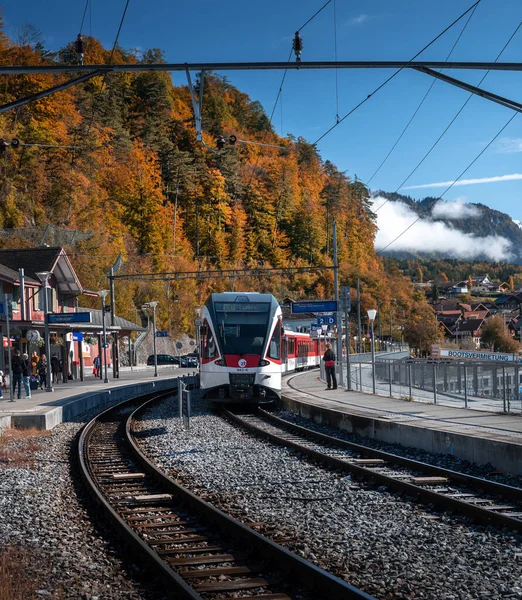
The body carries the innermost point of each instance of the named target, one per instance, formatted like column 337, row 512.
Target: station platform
column 44, row 410
column 477, row 436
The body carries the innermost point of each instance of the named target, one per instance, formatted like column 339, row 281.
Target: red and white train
column 244, row 348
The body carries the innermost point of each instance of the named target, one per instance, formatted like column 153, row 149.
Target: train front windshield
column 242, row 327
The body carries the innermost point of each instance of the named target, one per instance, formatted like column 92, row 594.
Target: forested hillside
column 136, row 182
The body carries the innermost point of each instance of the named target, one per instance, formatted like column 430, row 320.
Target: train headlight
column 264, row 363
column 221, row 362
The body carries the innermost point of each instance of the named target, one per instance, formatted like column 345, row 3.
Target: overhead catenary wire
column 455, row 117
column 84, row 14
column 393, row 75
column 335, row 56
column 422, row 101
column 93, row 112
column 452, row 183
column 280, row 90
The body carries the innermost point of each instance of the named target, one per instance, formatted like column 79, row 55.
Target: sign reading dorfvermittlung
column 467, row 354
column 79, row 317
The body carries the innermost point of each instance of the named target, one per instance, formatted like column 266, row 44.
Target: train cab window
column 274, row 349
column 208, row 343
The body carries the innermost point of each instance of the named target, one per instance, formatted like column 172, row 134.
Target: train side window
column 274, row 349
column 208, row 343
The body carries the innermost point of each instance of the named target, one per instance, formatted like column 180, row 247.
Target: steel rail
column 262, row 66
column 177, row 587
column 182, row 590
column 425, row 495
column 313, row 576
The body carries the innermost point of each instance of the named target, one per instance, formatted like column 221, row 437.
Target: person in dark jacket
column 43, row 368
column 329, row 365
column 17, row 368
column 55, row 369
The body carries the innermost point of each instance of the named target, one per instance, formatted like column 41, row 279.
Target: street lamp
column 43, row 276
column 153, row 306
column 371, row 315
column 102, row 294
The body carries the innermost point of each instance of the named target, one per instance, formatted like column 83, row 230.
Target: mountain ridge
column 486, row 222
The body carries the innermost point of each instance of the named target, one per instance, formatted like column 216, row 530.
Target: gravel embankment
column 446, row 461
column 385, row 545
column 46, row 514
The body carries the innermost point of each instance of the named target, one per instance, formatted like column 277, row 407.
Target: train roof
column 242, row 297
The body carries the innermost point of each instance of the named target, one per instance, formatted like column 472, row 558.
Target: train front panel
column 240, row 352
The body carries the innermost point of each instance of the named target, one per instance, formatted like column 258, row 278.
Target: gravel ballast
column 387, row 546
column 46, row 516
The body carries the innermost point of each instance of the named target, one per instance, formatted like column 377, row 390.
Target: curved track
column 199, row 551
column 484, row 501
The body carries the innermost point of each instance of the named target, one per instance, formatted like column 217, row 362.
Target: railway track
column 199, row 551
column 484, row 501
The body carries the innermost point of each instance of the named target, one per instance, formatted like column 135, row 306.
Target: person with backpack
column 329, row 365
column 17, row 367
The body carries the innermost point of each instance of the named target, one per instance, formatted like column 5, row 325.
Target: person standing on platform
column 26, row 375
column 55, row 368
column 34, row 364
column 96, row 366
column 42, row 371
column 17, row 367
column 329, row 364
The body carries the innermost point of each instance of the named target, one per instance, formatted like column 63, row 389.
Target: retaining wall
column 503, row 455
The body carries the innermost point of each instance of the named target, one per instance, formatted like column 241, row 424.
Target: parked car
column 185, row 362
column 190, row 360
column 164, row 359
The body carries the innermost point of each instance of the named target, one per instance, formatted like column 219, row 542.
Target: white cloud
column 358, row 20
column 429, row 236
column 518, row 223
column 455, row 209
column 512, row 177
column 509, row 145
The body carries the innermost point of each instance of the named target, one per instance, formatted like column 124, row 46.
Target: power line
column 395, row 74
column 422, row 101
column 84, row 13
column 105, row 74
column 452, row 183
column 453, row 120
column 314, row 15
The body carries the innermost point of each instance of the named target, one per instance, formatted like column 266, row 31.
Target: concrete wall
column 5, row 423
column 76, row 405
column 504, row 456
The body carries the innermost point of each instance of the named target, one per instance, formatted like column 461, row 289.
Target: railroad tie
column 428, row 480
column 128, row 476
column 233, row 584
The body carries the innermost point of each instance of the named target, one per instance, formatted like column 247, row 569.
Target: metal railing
column 479, row 385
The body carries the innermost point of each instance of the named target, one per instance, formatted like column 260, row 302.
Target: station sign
column 74, row 336
column 319, row 306
column 327, row 320
column 79, row 317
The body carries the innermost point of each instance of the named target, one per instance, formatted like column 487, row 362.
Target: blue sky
column 371, row 29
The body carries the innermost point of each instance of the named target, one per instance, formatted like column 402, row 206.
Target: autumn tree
column 495, row 335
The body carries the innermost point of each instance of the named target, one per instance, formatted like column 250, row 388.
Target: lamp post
column 371, row 315
column 153, row 306
column 43, row 276
column 102, row 294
